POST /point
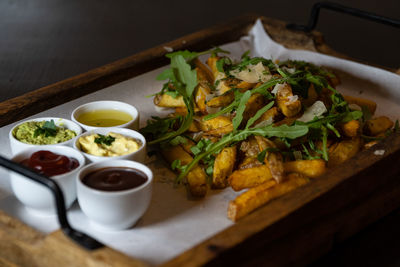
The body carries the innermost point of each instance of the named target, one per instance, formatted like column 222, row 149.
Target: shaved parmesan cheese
column 316, row 110
column 253, row 73
column 291, row 98
column 277, row 87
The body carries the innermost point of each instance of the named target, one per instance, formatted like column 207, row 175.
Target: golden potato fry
column 351, row 128
column 183, row 110
column 203, row 72
column 250, row 177
column 168, row 101
column 223, row 166
column 254, row 176
column 260, row 195
column 187, row 146
column 197, row 182
column 212, row 63
column 343, row 150
column 200, row 98
column 287, row 103
column 227, row 84
column 370, row 144
column 220, row 131
column 268, row 116
column 177, row 152
column 309, row 168
column 250, row 147
column 273, row 160
column 378, row 125
column 311, row 97
column 255, row 102
column 362, row 102
column 215, row 123
column 196, row 178
column 221, row 101
column 249, row 162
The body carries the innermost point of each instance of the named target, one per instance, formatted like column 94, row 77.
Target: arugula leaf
column 259, row 113
column 352, row 115
column 260, row 89
column 367, row 115
column 185, row 81
column 324, row 143
column 106, row 140
column 177, row 140
column 157, row 127
column 239, row 112
column 173, row 93
column 49, row 128
column 167, row 74
column 284, row 130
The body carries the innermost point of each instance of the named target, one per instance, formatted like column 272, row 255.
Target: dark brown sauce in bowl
column 115, row 179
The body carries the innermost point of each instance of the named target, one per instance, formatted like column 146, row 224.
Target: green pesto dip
column 26, row 134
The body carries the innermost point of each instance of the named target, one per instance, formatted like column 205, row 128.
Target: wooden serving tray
column 293, row 229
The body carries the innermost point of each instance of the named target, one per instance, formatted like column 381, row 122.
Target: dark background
column 45, row 41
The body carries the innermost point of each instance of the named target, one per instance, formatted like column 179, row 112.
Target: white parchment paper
column 174, row 222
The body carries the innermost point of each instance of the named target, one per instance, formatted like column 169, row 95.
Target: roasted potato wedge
column 343, row 150
column 287, row 102
column 223, row 166
column 196, row 178
column 378, row 125
column 250, row 177
column 221, row 101
column 168, row 101
column 351, row 128
column 362, row 102
column 273, row 160
column 262, row 194
column 309, row 168
column 255, row 102
column 215, row 123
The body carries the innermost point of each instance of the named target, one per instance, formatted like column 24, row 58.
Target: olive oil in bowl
column 104, row 118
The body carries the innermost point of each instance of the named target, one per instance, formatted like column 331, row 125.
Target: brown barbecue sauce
column 115, row 179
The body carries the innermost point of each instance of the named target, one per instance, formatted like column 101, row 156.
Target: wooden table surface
column 45, row 41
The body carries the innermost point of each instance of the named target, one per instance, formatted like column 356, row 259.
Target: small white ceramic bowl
column 37, row 197
column 105, row 105
column 139, row 155
column 114, row 210
column 17, row 146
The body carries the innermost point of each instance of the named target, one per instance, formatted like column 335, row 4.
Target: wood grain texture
column 22, row 246
column 317, row 214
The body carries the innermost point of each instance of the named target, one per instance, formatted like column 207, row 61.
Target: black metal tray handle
column 312, row 22
column 79, row 237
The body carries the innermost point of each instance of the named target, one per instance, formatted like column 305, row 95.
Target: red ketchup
column 49, row 163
